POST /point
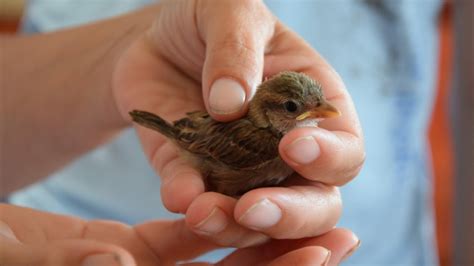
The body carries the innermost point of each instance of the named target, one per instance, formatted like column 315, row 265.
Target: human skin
column 245, row 55
column 67, row 92
column 30, row 237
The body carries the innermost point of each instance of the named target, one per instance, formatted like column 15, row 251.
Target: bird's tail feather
column 154, row 122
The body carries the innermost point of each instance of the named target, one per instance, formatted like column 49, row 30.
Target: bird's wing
column 237, row 144
column 190, row 126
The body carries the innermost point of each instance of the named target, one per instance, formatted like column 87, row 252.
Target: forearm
column 57, row 101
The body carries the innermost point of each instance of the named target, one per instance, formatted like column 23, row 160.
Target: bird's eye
column 291, row 106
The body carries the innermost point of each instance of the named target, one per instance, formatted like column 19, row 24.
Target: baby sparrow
column 235, row 157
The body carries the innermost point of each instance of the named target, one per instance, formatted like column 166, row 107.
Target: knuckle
column 358, row 165
column 295, row 220
column 165, row 153
column 236, row 46
column 172, row 169
column 95, row 228
column 347, row 167
column 352, row 170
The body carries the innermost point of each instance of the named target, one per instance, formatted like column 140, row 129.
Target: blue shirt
column 385, row 51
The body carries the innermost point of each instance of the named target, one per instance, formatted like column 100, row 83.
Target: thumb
column 235, row 34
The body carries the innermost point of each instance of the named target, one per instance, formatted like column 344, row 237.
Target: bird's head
column 289, row 100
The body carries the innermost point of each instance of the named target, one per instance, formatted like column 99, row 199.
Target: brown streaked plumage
column 240, row 155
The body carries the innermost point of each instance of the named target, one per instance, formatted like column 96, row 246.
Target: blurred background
column 440, row 135
column 10, row 14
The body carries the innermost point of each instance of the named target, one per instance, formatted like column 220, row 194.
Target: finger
column 211, row 216
column 7, row 233
column 180, row 183
column 172, row 240
column 294, row 254
column 85, row 252
column 40, row 224
column 333, row 156
column 290, row 212
column 64, row 252
column 304, row 256
column 234, row 53
column 340, row 242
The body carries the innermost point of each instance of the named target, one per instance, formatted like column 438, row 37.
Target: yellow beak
column 325, row 110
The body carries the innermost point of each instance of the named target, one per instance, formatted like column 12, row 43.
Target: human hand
column 189, row 60
column 30, row 237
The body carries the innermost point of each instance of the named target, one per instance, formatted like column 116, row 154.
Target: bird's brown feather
column 234, row 157
column 238, row 144
column 237, row 156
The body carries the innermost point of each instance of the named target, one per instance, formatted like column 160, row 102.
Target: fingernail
column 261, row 215
column 214, row 223
column 326, row 260
column 227, row 96
column 109, row 259
column 351, row 251
column 303, row 150
column 7, row 232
